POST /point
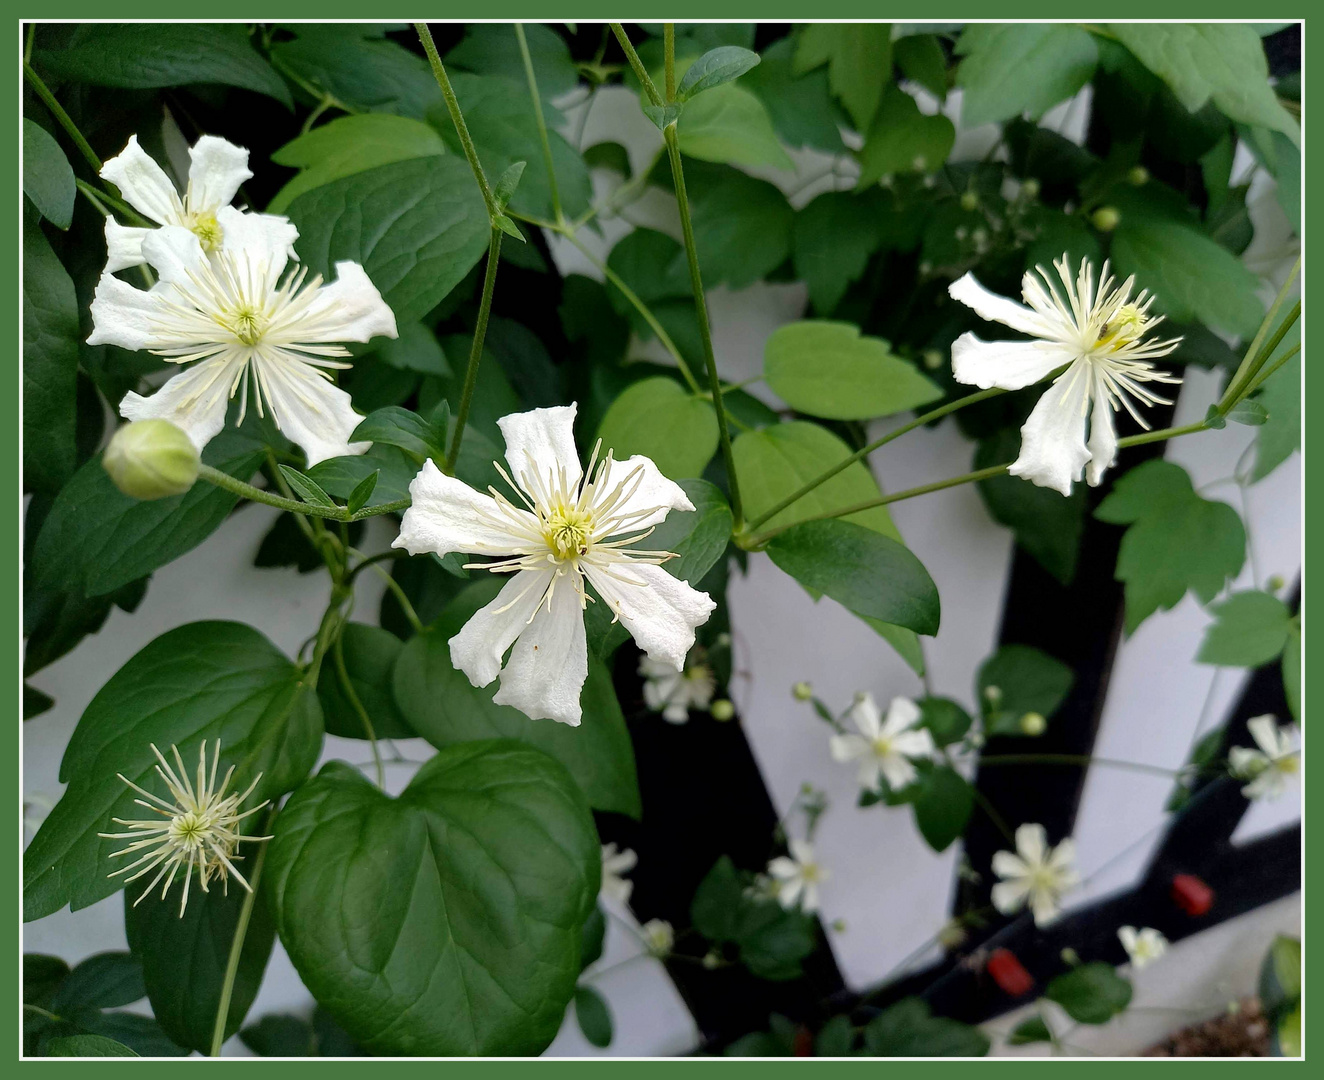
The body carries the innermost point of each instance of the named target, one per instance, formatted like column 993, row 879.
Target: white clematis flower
column 884, row 747
column 1142, row 946
column 232, row 313
column 1271, row 766
column 575, row 525
column 1098, row 332
column 798, row 877
column 216, row 169
column 1035, row 874
column 615, row 865
column 674, row 693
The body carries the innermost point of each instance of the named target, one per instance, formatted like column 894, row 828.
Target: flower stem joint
column 1192, row 895
column 1009, row 973
column 151, row 459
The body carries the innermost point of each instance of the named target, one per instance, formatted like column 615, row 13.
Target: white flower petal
column 216, row 170
column 448, row 515
column 174, row 253
column 846, row 748
column 810, row 901
column 144, row 184
column 802, row 851
column 991, row 306
column 869, row 772
column 660, row 611
column 902, row 713
column 123, row 315
column 266, row 238
column 351, row 308
column 1053, row 451
column 900, row 773
column 1102, row 443
column 1032, row 843
column 784, row 869
column 652, row 496
column 1009, row 365
column 541, row 442
column 479, row 647
column 676, row 713
column 1008, row 865
column 865, row 716
column 1062, row 856
column 1264, row 730
column 194, row 400
column 310, row 410
column 789, row 892
column 1043, row 903
column 916, row 743
column 549, row 663
column 124, row 246
column 1009, row 896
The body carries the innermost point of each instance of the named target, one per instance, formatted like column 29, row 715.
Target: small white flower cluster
column 674, row 692
column 1034, row 875
column 1271, row 767
column 224, row 305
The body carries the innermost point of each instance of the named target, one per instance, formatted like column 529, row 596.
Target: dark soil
column 1244, row 1033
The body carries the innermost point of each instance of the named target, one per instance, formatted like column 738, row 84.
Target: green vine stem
column 57, row 110
column 257, row 495
column 342, row 674
column 542, row 123
column 457, row 117
column 475, row 348
column 1236, row 387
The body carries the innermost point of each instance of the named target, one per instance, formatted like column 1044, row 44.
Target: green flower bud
column 839, row 926
column 1033, row 723
column 151, row 459
column 992, row 694
column 932, row 358
column 1030, row 188
column 1070, row 957
column 1138, row 176
column 969, row 201
column 953, row 935
column 1276, row 582
column 721, row 709
column 711, row 960
column 802, row 691
column 1105, row 218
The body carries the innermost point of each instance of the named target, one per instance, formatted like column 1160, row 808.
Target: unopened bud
column 969, row 201
column 1105, row 218
column 932, row 359
column 151, row 459
column 1070, row 957
column 1138, row 176
column 802, row 691
column 992, row 694
column 721, row 709
column 839, row 926
column 952, row 935
column 711, row 960
column 1030, row 188
column 1033, row 723
column 1276, row 582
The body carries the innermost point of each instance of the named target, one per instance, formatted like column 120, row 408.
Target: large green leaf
column 943, row 807
column 184, row 959
column 102, row 981
column 859, row 60
column 908, row 1029
column 50, row 363
column 1192, row 277
column 201, row 682
column 370, row 655
column 357, row 64
column 47, row 178
column 742, row 226
column 439, row 703
column 729, row 125
column 418, row 227
column 828, row 369
column 902, row 140
column 97, row 1046
column 1280, row 437
column 662, row 420
column 1249, row 629
column 1021, row 68
column 871, row 574
column 349, row 145
column 1091, row 993
column 1027, row 680
column 447, row 921
column 141, row 56
column 1176, row 540
column 834, row 236
column 1219, row 62
column 801, row 106
column 493, row 49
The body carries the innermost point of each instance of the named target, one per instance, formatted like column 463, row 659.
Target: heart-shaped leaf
column 446, row 921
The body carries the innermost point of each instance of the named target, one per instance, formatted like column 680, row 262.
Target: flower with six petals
column 884, row 748
column 1035, row 874
column 798, row 876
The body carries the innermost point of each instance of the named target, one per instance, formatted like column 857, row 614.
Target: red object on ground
column 804, row 1042
column 1009, row 973
column 1191, row 894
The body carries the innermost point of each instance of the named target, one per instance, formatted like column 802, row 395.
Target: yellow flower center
column 810, row 873
column 882, row 746
column 1126, row 325
column 189, row 830
column 248, row 324
column 207, row 229
column 1289, row 764
column 567, row 533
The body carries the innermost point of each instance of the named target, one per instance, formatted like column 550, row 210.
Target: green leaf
column 946, row 720
column 341, row 476
column 715, row 908
column 35, row 702
column 1280, row 437
column 103, row 981
column 827, row 369
column 1292, row 671
column 48, row 179
column 921, row 59
column 418, row 227
column 902, row 140
column 592, row 937
column 493, row 49
column 1287, row 1035
column 943, row 807
column 42, row 976
column 907, row 1029
column 833, row 237
column 1028, row 681
column 416, row 349
column 358, row 498
column 350, row 145
column 1249, row 629
column 609, row 155
column 742, row 226
column 280, row 1035
column 773, row 940
column 729, row 125
column 395, row 426
column 593, row 1015
column 358, row 65
column 1280, row 977
column 662, row 420
column 184, row 959
column 714, row 68
column 663, row 116
column 439, row 703
column 446, row 921
column 1192, row 277
column 859, row 59
column 141, row 1034
column 306, row 489
column 371, row 654
column 143, row 56
column 801, row 106
column 200, row 682
column 1032, row 1030
column 87, row 1046
column 50, row 364
column 870, row 574
column 1091, row 994
column 1219, row 62
column 508, row 183
column 1021, row 68
column 1176, row 540
column 836, row 1038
